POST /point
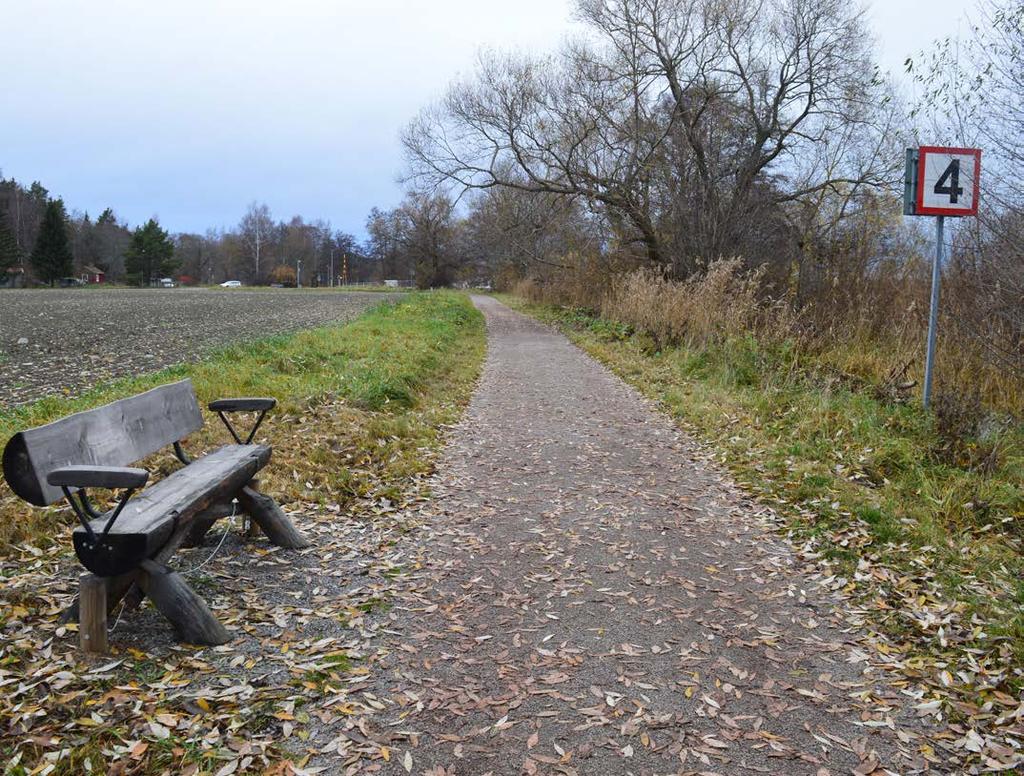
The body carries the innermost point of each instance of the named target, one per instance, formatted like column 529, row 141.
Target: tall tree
column 194, row 255
column 150, row 254
column 85, row 245
column 691, row 126
column 51, row 256
column 256, row 229
column 383, row 245
column 10, row 253
column 427, row 235
column 112, row 239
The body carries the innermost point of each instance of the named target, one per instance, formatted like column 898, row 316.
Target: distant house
column 93, row 275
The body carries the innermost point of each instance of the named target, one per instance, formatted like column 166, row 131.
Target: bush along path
column 587, row 593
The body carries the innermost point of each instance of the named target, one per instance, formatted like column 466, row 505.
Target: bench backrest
column 117, row 434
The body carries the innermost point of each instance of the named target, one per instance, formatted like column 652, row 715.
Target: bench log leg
column 92, row 607
column 204, row 521
column 188, row 613
column 191, row 536
column 274, row 522
column 117, row 587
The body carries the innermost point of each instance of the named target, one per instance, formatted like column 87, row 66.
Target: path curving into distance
column 592, row 596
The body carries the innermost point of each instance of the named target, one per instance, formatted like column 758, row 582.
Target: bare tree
column 510, row 233
column 426, row 233
column 255, row 230
column 383, row 228
column 973, row 94
column 689, row 125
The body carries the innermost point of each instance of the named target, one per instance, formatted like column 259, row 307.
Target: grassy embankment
column 359, row 404
column 925, row 529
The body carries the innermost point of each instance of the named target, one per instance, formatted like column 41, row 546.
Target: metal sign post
column 933, row 315
column 940, row 181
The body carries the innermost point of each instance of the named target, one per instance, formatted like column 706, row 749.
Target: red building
column 93, row 275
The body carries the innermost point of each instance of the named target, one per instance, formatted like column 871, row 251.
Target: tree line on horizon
column 43, row 243
column 425, row 241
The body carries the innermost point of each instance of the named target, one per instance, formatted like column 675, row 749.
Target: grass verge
column 357, row 404
column 926, row 540
column 360, row 415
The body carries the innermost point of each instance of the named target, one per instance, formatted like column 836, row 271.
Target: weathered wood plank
column 117, row 434
column 157, row 521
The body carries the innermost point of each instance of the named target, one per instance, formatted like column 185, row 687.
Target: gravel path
column 587, row 594
column 74, row 339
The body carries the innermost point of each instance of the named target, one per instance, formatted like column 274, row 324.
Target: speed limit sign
column 947, row 181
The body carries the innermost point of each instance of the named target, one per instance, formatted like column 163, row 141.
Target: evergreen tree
column 51, row 256
column 112, row 240
column 150, row 254
column 10, row 253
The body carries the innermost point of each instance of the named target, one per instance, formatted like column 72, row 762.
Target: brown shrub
column 582, row 282
column 722, row 302
column 871, row 328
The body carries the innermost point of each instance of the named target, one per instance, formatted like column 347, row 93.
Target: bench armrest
column 83, row 477
column 98, row 477
column 245, row 404
column 250, row 404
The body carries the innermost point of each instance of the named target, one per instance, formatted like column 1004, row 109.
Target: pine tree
column 51, row 256
column 10, row 253
column 150, row 254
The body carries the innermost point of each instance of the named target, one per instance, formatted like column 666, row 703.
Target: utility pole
column 298, row 273
column 345, row 259
column 331, row 282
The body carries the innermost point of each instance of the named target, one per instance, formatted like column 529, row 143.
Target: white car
column 231, row 284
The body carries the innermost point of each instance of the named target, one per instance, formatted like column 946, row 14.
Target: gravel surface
column 64, row 341
column 587, row 594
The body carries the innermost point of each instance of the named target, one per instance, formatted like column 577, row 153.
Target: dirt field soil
column 64, row 341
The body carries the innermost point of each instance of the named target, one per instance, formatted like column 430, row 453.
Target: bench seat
column 150, row 519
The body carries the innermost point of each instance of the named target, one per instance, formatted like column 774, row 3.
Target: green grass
column 374, row 289
column 865, row 480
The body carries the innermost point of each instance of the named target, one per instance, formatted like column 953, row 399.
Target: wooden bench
column 127, row 547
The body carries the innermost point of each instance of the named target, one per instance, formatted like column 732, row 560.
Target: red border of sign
column 923, row 152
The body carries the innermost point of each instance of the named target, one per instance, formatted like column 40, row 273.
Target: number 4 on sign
column 947, row 181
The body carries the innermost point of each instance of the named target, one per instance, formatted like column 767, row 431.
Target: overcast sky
column 190, row 109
